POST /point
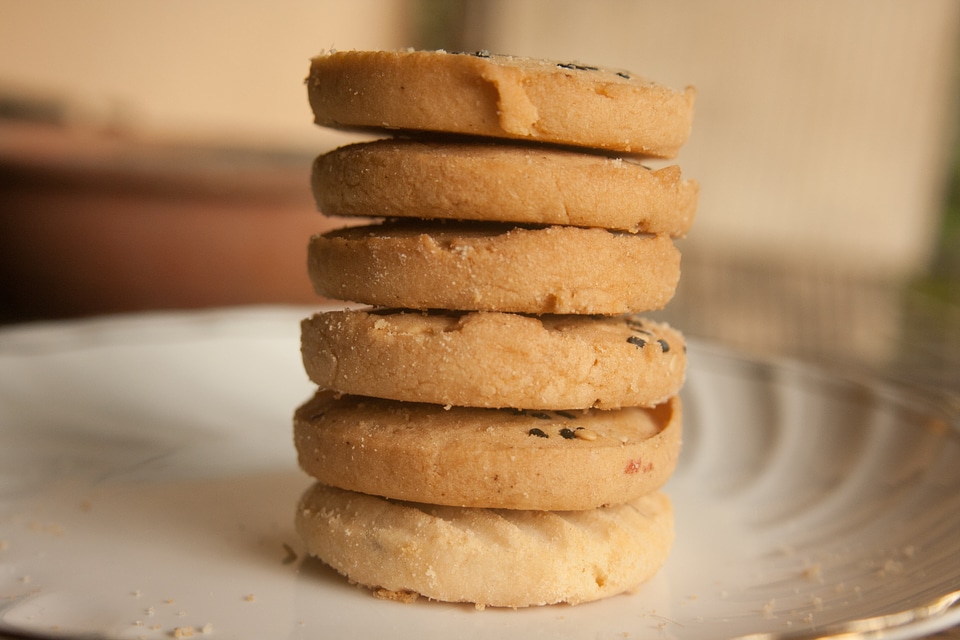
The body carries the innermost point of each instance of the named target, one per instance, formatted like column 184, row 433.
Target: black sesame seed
column 664, row 345
column 567, row 434
column 637, row 341
column 576, row 67
column 625, row 76
column 567, row 415
column 539, row 415
column 537, row 432
column 636, row 325
column 483, row 53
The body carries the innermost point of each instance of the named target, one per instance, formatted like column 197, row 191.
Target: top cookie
column 499, row 96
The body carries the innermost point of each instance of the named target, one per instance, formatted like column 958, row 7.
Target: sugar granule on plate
column 813, row 572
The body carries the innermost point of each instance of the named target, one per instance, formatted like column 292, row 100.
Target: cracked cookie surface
column 499, row 96
column 495, row 267
column 502, row 182
column 489, row 458
column 504, row 557
column 492, row 359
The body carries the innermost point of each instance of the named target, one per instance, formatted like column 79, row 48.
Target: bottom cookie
column 489, row 557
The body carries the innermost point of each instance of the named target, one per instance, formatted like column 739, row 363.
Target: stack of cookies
column 494, row 424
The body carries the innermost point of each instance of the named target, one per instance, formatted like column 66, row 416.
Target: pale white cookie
column 495, row 458
column 489, row 359
column 502, row 182
column 490, row 557
column 499, row 96
column 495, row 267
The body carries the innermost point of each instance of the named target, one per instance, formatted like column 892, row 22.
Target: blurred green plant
column 942, row 282
column 452, row 25
column 439, row 24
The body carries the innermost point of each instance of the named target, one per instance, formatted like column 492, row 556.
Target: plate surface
column 148, row 481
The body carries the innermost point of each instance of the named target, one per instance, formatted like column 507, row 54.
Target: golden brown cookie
column 487, row 359
column 502, row 182
column 490, row 557
column 495, row 267
column 494, row 458
column 499, row 96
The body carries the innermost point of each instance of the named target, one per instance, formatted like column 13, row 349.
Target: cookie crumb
column 767, row 609
column 585, row 434
column 206, row 629
column 250, row 597
column 938, row 426
column 812, row 572
column 52, row 528
column 890, row 567
column 291, row 556
column 405, row 597
column 183, row 632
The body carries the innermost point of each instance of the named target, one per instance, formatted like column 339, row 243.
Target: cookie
column 492, row 458
column 499, row 96
column 490, row 557
column 502, row 182
column 495, row 267
column 488, row 359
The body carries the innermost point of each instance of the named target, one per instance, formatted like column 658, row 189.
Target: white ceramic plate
column 148, row 481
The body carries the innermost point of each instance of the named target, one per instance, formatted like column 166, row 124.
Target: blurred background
column 155, row 155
